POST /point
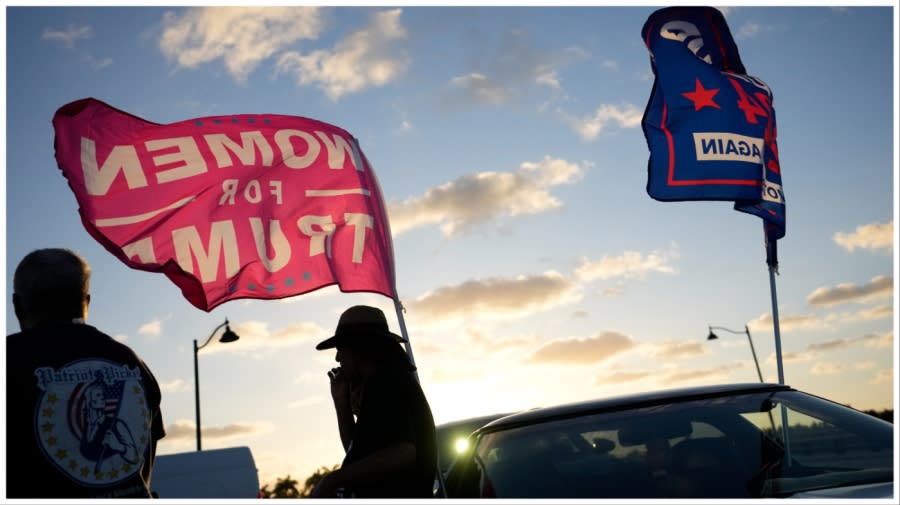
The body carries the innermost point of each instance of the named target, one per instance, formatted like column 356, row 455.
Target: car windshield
column 452, row 438
column 730, row 447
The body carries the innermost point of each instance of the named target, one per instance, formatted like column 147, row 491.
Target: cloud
column 877, row 312
column 830, row 345
column 480, row 89
column 69, row 36
column 630, row 265
column 183, row 430
column 623, row 376
column 815, row 350
column 508, row 68
column 749, row 29
column 613, row 291
column 305, row 402
column 242, row 37
column 675, row 350
column 610, row 65
column 495, row 297
column 793, row 322
column 787, row 357
column 479, row 198
column 549, row 78
column 870, row 340
column 365, row 58
column 173, row 386
column 494, row 345
column 589, row 127
column 879, row 287
column 153, row 328
column 826, row 368
column 787, row 322
column 868, row 236
column 883, row 341
column 885, row 376
column 702, row 373
column 98, row 64
column 425, row 344
column 119, row 337
column 752, row 29
column 582, row 351
column 255, row 335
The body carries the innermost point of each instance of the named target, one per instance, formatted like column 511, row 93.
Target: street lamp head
column 228, row 335
column 713, row 336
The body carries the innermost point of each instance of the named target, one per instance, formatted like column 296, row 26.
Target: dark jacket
column 394, row 410
column 82, row 415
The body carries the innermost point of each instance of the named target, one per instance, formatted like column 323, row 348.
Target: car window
column 829, row 446
column 613, row 455
column 718, row 448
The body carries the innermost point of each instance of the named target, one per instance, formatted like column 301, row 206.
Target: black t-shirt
column 82, row 415
column 394, row 410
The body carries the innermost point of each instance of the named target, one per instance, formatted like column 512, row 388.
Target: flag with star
column 710, row 127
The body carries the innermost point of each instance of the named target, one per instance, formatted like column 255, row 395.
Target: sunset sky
column 533, row 266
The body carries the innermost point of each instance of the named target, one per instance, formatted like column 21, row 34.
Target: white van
column 216, row 473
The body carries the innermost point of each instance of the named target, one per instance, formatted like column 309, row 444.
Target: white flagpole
column 399, row 308
column 776, row 324
column 772, row 261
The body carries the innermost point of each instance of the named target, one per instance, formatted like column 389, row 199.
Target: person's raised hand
column 340, row 386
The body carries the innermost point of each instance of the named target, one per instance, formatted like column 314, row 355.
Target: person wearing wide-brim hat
column 391, row 448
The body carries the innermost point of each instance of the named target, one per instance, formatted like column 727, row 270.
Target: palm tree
column 315, row 478
column 284, row 488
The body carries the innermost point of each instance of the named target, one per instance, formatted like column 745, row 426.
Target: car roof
column 480, row 420
column 626, row 401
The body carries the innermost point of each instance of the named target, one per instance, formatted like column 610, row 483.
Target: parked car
column 725, row 441
column 452, row 439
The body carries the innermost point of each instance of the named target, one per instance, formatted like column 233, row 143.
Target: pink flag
column 244, row 206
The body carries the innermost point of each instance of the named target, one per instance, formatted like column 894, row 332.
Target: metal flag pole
column 772, row 261
column 399, row 308
column 776, row 325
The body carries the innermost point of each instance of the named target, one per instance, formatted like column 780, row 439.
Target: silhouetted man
column 82, row 410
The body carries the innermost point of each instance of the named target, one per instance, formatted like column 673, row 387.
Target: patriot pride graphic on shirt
column 92, row 420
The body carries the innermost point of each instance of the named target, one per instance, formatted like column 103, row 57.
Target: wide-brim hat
column 358, row 324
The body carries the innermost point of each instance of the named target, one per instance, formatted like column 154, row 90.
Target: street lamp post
column 784, row 416
column 713, row 336
column 227, row 336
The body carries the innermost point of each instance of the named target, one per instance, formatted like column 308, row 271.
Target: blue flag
column 710, row 127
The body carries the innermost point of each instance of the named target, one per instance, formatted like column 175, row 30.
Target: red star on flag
column 702, row 97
